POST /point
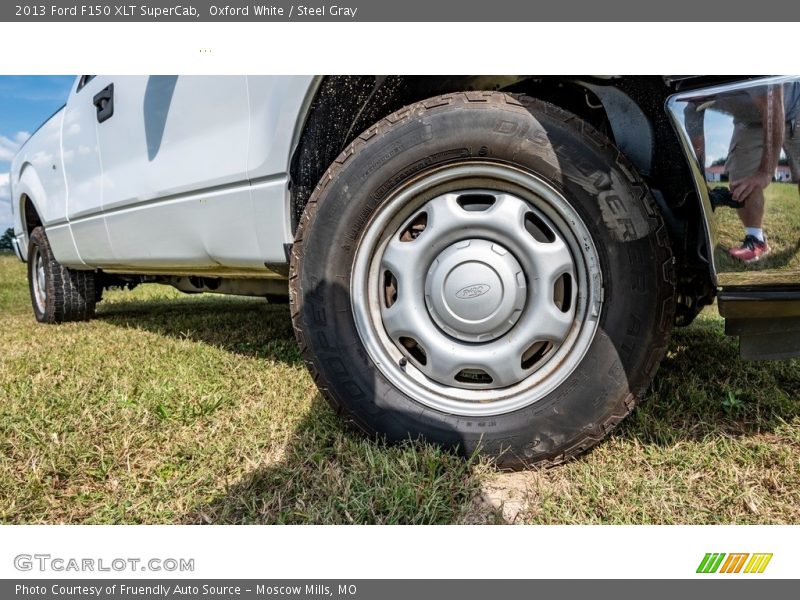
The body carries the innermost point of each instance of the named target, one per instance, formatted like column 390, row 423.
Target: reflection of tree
column 5, row 239
column 720, row 162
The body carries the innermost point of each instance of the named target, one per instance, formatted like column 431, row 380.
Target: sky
column 25, row 103
column 718, row 130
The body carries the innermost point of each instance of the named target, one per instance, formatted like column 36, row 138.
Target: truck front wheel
column 58, row 293
column 486, row 272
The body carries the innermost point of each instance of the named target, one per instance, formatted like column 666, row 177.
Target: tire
column 520, row 154
column 58, row 294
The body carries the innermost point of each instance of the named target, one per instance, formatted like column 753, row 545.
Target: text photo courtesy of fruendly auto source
column 400, row 299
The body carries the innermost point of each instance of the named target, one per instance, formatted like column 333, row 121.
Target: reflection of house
column 716, row 173
column 783, row 173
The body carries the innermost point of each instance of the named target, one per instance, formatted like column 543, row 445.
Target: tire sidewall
column 38, row 245
column 595, row 181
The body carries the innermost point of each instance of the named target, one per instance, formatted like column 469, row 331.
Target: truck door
column 175, row 189
column 83, row 171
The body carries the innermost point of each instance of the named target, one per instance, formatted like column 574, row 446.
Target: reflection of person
column 764, row 121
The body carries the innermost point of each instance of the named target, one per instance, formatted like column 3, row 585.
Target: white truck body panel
column 189, row 174
column 82, row 170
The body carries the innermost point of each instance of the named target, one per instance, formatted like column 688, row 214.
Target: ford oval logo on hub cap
column 472, row 291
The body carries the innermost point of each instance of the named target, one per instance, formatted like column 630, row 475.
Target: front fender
column 51, row 211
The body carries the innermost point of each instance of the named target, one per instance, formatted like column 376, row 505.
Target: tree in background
column 5, row 239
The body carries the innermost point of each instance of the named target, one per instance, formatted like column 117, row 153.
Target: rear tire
column 588, row 198
column 58, row 293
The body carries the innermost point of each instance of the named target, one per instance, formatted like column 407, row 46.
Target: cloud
column 36, row 89
column 10, row 145
column 5, row 202
column 8, row 148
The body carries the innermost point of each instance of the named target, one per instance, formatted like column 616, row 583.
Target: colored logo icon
column 719, row 562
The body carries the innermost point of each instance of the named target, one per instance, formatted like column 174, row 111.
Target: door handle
column 104, row 101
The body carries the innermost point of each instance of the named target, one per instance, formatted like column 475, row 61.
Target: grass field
column 197, row 409
column 781, row 224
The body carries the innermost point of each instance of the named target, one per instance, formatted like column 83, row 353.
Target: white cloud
column 5, row 202
column 10, row 145
column 8, row 148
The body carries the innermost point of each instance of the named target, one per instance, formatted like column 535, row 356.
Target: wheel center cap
column 475, row 290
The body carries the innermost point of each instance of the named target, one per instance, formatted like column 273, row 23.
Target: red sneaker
column 751, row 250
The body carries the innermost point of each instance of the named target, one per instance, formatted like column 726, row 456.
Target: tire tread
column 71, row 294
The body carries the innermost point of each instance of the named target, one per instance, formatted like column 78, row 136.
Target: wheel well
column 345, row 106
column 30, row 217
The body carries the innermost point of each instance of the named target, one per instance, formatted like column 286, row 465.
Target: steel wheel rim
column 39, row 283
column 516, row 193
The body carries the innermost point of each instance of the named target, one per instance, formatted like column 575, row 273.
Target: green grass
column 781, row 224
column 197, row 409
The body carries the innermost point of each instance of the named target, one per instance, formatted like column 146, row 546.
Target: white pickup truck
column 493, row 264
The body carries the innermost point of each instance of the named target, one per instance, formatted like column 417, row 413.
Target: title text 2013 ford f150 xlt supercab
column 488, row 263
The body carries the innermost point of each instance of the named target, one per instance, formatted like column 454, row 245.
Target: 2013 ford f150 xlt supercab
column 492, row 264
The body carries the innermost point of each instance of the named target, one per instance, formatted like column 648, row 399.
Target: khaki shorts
column 747, row 144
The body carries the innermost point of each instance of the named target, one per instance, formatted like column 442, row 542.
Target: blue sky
column 25, row 103
column 719, row 130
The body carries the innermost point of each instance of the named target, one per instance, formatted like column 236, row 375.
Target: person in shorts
column 764, row 123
